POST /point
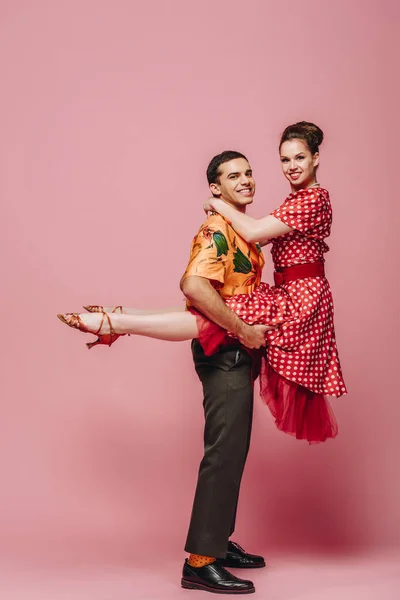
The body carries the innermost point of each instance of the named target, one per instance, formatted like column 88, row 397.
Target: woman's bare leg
column 144, row 311
column 172, row 326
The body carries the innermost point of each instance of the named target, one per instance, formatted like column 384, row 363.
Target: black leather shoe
column 237, row 558
column 214, row 578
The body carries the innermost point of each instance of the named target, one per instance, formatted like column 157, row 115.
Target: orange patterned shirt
column 219, row 254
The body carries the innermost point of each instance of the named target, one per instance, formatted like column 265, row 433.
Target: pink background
column 109, row 114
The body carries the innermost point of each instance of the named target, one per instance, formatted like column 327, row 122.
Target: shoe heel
column 188, row 585
column 92, row 344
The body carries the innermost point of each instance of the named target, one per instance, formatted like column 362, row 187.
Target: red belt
column 286, row 274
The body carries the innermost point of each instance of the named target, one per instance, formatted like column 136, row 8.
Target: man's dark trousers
column 228, row 407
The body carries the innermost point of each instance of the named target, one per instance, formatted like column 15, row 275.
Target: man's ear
column 214, row 189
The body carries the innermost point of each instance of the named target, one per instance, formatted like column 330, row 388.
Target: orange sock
column 197, row 560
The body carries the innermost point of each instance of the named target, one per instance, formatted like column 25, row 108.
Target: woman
column 301, row 366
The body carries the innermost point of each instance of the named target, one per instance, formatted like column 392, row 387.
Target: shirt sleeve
column 209, row 252
column 304, row 211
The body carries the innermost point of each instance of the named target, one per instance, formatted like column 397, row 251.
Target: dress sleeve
column 304, row 211
column 209, row 252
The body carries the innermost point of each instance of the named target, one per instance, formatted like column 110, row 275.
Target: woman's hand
column 208, row 204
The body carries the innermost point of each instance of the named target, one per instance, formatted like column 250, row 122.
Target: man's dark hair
column 213, row 171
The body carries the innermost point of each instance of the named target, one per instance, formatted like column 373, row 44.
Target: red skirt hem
column 297, row 411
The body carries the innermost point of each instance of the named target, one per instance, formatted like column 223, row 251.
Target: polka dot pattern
column 303, row 349
column 197, row 560
column 309, row 212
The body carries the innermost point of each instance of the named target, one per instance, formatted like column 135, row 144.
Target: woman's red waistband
column 286, row 274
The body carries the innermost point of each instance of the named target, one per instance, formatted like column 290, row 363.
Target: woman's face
column 298, row 164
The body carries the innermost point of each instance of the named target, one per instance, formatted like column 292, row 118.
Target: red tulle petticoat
column 296, row 410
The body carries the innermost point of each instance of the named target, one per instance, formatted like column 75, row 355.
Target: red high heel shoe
column 97, row 308
column 73, row 320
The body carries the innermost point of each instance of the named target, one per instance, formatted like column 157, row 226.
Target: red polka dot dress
column 301, row 366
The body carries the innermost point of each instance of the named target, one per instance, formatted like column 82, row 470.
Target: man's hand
column 208, row 206
column 253, row 336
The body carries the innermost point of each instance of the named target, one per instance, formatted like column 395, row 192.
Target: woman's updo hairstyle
column 311, row 134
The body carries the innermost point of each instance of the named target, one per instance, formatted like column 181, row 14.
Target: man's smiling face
column 235, row 184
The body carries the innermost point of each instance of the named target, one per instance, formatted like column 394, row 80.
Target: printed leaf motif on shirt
column 217, row 239
column 241, row 262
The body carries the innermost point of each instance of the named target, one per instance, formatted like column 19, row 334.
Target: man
column 222, row 264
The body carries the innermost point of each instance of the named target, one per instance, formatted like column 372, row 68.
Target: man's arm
column 201, row 294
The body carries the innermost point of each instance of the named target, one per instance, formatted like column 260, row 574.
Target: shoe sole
column 231, row 566
column 190, row 585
